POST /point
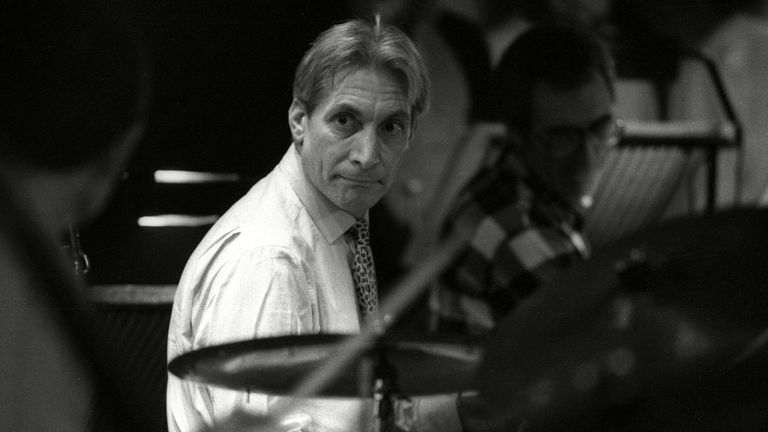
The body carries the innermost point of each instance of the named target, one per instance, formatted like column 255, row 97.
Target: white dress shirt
column 277, row 263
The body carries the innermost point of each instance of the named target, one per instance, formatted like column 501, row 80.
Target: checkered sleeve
column 506, row 258
column 501, row 268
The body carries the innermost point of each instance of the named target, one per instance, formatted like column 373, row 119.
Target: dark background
column 223, row 77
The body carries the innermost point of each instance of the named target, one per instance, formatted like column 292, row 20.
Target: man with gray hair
column 291, row 257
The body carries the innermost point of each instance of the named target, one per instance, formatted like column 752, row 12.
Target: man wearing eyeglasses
column 522, row 213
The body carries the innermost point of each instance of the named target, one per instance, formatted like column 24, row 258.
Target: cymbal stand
column 403, row 294
column 385, row 392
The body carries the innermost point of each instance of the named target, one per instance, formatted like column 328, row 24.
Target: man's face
column 351, row 145
column 571, row 130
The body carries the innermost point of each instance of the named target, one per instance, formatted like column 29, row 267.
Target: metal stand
column 384, row 393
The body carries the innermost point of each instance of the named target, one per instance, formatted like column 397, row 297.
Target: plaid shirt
column 519, row 237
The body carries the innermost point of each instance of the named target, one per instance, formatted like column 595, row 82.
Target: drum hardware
column 648, row 341
column 397, row 367
column 385, row 391
column 409, row 365
column 80, row 260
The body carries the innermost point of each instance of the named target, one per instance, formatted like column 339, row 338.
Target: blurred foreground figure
column 74, row 90
column 665, row 330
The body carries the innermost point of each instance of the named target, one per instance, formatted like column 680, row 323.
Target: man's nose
column 365, row 149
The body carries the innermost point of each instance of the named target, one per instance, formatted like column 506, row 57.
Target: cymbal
column 424, row 365
column 680, row 303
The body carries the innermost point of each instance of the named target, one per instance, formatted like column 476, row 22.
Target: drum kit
column 666, row 329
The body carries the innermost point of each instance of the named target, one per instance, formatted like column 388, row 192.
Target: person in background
column 461, row 42
column 74, row 84
column 738, row 46
column 522, row 213
column 292, row 256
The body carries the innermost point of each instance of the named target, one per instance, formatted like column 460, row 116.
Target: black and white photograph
column 384, row 216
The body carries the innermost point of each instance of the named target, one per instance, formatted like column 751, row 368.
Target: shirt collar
column 332, row 221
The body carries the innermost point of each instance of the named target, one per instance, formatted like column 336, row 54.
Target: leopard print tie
column 363, row 271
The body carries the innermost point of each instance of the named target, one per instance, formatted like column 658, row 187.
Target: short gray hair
column 361, row 44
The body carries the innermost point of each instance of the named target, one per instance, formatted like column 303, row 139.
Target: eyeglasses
column 565, row 141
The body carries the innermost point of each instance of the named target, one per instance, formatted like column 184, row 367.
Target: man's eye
column 343, row 121
column 393, row 128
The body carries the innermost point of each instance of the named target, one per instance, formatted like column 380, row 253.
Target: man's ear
column 411, row 133
column 297, row 114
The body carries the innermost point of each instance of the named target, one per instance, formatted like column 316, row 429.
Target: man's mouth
column 361, row 181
